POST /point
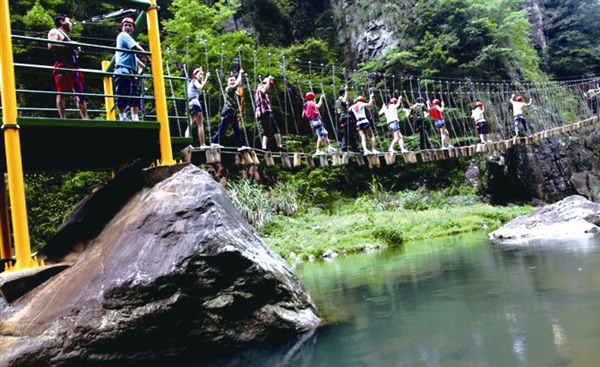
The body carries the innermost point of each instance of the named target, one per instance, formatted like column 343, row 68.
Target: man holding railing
column 65, row 58
column 127, row 66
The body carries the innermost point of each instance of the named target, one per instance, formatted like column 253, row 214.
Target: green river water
column 450, row 302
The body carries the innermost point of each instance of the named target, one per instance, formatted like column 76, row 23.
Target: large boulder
column 176, row 274
column 572, row 217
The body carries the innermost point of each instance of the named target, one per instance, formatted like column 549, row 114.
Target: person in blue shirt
column 127, row 66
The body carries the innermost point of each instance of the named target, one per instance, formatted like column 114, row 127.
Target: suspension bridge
column 35, row 140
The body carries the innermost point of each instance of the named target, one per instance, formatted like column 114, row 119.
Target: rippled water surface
column 452, row 302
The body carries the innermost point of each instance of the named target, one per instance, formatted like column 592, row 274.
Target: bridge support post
column 166, row 153
column 108, row 89
column 12, row 146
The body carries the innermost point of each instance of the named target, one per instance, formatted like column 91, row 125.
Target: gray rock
column 572, row 217
column 176, row 274
column 549, row 170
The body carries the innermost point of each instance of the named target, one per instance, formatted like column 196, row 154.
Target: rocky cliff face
column 535, row 10
column 363, row 37
column 549, row 170
column 176, row 274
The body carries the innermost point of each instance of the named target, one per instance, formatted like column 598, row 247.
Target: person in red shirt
column 310, row 110
column 436, row 110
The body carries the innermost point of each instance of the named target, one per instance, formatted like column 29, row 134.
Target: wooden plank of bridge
column 430, row 155
column 470, row 150
column 345, row 158
column 373, row 160
column 359, row 159
column 247, row 158
column 297, row 160
column 323, row 161
column 309, row 161
column 269, row 158
column 413, row 157
column 336, row 159
column 406, row 156
column 213, row 155
column 285, row 160
column 254, row 157
column 529, row 140
column 390, row 158
column 424, row 156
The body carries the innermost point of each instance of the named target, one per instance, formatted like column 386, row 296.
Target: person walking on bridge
column 310, row 111
column 347, row 123
column 518, row 107
column 363, row 125
column 66, row 58
column 391, row 114
column 436, row 110
column 480, row 123
column 264, row 114
column 228, row 114
column 419, row 113
column 195, row 87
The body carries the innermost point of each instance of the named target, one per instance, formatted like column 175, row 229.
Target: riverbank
column 364, row 225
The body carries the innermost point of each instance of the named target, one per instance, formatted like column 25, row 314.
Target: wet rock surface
column 572, row 217
column 176, row 274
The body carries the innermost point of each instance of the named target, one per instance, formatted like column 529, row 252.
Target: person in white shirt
column 363, row 125
column 480, row 123
column 391, row 114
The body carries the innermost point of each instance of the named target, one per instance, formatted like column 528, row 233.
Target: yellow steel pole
column 166, row 153
column 12, row 146
column 108, row 89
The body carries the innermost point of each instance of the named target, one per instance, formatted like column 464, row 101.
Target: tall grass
column 259, row 205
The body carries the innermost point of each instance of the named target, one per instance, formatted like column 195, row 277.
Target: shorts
column 268, row 123
column 68, row 81
column 394, row 125
column 439, row 123
column 482, row 127
column 317, row 126
column 195, row 108
column 363, row 124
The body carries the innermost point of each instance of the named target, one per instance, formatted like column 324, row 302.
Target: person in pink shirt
column 311, row 112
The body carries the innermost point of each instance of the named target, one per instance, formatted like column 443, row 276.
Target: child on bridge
column 436, row 110
column 518, row 106
column 310, row 111
column 196, row 86
column 481, row 123
column 391, row 114
column 363, row 125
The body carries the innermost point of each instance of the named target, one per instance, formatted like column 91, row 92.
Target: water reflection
column 453, row 302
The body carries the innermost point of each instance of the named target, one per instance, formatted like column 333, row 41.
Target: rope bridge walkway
column 252, row 156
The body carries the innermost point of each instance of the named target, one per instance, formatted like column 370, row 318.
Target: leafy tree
column 572, row 31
